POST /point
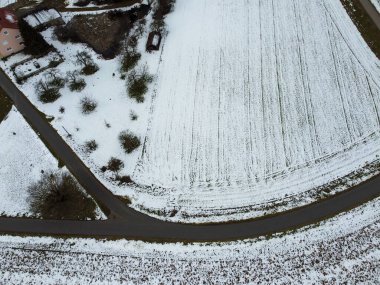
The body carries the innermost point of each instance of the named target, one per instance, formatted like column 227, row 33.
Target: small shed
column 154, row 41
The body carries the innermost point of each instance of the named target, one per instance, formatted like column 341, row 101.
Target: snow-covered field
column 376, row 3
column 258, row 100
column 22, row 158
column 342, row 250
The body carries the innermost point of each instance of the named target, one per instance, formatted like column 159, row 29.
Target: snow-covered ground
column 4, row 3
column 376, row 3
column 114, row 107
column 255, row 105
column 22, row 158
column 256, row 101
column 342, row 250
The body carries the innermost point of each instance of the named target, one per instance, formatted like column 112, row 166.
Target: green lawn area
column 5, row 105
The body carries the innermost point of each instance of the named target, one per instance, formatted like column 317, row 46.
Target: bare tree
column 52, row 74
column 84, row 59
column 54, row 78
column 42, row 86
column 115, row 165
column 72, row 76
column 47, row 93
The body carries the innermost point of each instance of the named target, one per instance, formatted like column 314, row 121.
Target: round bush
column 129, row 142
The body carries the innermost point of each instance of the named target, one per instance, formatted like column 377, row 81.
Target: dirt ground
column 100, row 31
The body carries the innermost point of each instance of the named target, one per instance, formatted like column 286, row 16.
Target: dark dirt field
column 100, row 31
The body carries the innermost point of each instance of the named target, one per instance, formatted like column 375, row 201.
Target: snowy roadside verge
column 23, row 159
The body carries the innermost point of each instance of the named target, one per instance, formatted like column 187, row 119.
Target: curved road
column 125, row 222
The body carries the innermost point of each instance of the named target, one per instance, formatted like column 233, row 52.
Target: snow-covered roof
column 8, row 19
column 32, row 21
column 156, row 40
column 42, row 17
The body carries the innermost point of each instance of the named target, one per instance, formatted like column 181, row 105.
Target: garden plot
column 114, row 111
column 257, row 101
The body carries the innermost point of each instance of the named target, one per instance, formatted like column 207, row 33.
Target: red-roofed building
column 10, row 38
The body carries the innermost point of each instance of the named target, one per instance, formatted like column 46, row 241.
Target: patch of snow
column 10, row 18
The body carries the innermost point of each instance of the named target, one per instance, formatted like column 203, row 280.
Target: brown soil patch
column 100, row 31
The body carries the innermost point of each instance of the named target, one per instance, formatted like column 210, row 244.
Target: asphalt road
column 125, row 222
column 372, row 12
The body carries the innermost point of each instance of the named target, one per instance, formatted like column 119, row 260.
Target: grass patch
column 59, row 196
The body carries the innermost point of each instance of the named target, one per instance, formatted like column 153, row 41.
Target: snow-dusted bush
column 90, row 146
column 46, row 92
column 54, row 78
column 129, row 60
column 88, row 105
column 76, row 83
column 138, row 85
column 59, row 196
column 133, row 116
column 129, row 142
column 115, row 165
column 85, row 60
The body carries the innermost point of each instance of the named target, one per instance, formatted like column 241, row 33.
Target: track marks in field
column 250, row 90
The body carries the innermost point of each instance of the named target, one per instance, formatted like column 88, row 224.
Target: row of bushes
column 128, row 141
